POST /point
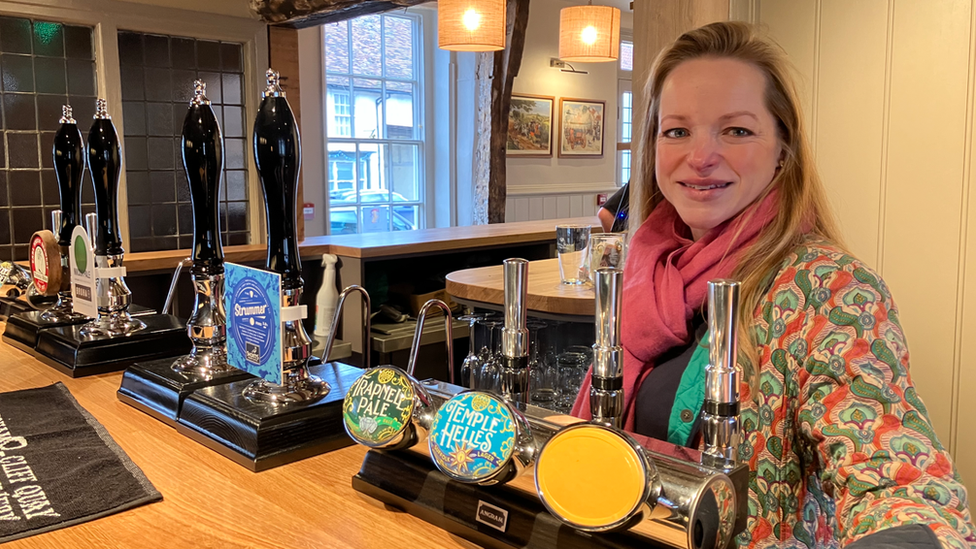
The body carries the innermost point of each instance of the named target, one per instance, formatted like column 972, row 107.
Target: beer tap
column 203, row 161
column 112, row 294
column 515, row 336
column 606, row 390
column 277, row 151
column 69, row 167
column 720, row 411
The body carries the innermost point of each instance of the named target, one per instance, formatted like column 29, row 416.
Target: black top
column 105, row 164
column 278, row 152
column 655, row 397
column 202, row 160
column 69, row 166
column 619, row 205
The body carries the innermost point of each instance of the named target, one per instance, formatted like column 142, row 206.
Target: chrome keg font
column 720, row 411
column 607, row 381
column 515, row 335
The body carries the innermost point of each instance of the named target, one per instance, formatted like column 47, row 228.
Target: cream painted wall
column 542, row 176
column 888, row 88
column 237, row 8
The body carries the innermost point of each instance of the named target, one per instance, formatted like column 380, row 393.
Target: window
column 626, row 127
column 625, row 100
column 44, row 65
column 157, row 84
column 374, row 107
column 626, row 55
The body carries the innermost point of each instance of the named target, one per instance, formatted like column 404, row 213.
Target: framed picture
column 581, row 127
column 530, row 126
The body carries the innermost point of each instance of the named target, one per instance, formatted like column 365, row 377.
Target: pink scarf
column 665, row 283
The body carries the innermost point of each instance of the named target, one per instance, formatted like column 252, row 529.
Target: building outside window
column 374, row 105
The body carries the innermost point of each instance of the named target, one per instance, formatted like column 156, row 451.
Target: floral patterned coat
column 838, row 442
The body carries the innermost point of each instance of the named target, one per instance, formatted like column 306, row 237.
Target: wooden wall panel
column 926, row 144
column 851, row 109
column 283, row 51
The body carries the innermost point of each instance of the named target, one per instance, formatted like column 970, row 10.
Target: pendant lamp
column 589, row 34
column 471, row 25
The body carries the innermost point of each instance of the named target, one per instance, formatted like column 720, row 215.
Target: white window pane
column 342, row 173
column 338, row 104
column 337, row 47
column 343, row 220
column 398, row 41
column 405, row 173
column 399, row 111
column 372, row 173
column 626, row 56
column 405, row 217
column 376, row 218
column 367, row 107
column 366, row 52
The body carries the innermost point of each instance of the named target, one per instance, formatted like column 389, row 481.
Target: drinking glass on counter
column 542, row 371
column 570, row 370
column 606, row 250
column 486, row 377
column 472, row 361
column 571, row 246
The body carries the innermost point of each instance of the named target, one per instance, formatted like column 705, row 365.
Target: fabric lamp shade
column 471, row 25
column 589, row 34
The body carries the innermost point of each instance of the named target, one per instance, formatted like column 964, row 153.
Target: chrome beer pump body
column 720, row 411
column 69, row 167
column 277, row 151
column 606, row 390
column 203, row 161
column 112, row 294
column 515, row 336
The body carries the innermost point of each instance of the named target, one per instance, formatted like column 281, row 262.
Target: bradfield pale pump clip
column 515, row 335
column 607, row 381
column 720, row 411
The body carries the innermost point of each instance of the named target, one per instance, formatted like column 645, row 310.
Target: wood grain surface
column 546, row 293
column 210, row 501
column 376, row 245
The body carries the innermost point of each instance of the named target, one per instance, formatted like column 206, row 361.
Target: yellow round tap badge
column 473, row 436
column 378, row 406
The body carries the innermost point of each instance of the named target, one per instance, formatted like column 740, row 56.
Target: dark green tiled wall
column 157, row 83
column 43, row 66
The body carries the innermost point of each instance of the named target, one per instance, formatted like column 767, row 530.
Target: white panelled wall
column 888, row 88
column 535, row 207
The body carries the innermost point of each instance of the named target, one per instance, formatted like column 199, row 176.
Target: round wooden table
column 546, row 296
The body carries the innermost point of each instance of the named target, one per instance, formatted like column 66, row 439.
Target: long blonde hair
column 804, row 210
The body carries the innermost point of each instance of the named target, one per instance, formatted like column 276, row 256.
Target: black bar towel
column 59, row 466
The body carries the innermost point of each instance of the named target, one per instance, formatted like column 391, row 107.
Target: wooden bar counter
column 545, row 294
column 375, row 245
column 208, row 501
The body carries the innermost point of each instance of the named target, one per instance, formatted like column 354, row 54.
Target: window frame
column 107, row 17
column 624, row 84
column 420, row 111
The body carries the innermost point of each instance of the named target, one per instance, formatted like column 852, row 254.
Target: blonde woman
column 839, row 444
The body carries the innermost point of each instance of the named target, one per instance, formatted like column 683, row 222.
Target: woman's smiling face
column 717, row 144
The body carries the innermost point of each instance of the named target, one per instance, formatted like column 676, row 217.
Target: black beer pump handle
column 105, row 164
column 203, row 160
column 278, row 152
column 69, row 167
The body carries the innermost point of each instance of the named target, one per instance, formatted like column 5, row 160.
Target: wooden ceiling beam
column 299, row 14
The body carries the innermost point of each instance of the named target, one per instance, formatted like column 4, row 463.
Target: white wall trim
column 562, row 188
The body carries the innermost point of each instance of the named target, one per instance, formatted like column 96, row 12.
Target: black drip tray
column 262, row 436
column 158, row 390
column 491, row 516
column 67, row 350
column 23, row 329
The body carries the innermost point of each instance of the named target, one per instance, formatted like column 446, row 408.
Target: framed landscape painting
column 581, row 128
column 530, row 126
